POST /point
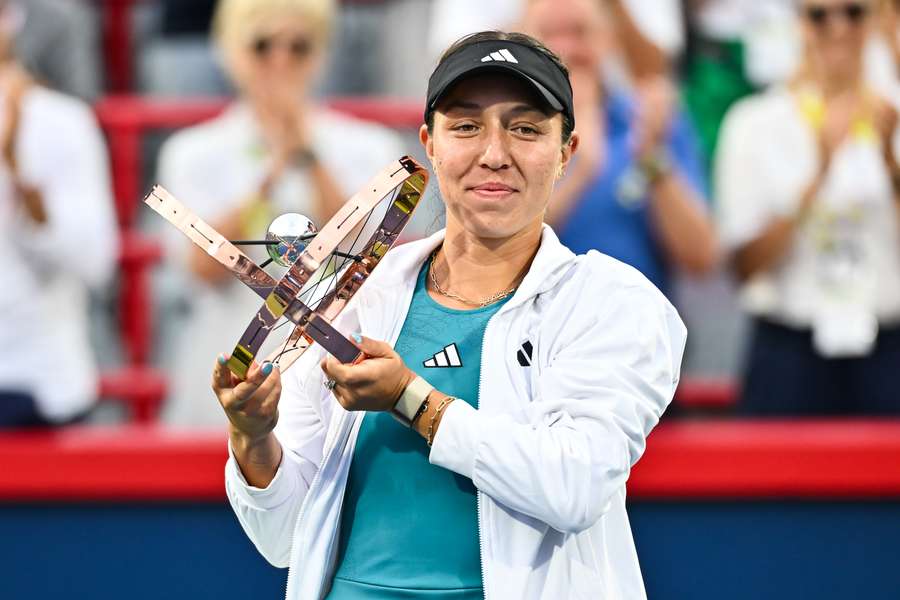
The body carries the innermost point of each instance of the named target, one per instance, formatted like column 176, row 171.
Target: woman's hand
column 587, row 103
column 250, row 405
column 375, row 383
column 286, row 126
column 836, row 124
column 657, row 99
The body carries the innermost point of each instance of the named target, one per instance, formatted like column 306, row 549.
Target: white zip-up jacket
column 549, row 447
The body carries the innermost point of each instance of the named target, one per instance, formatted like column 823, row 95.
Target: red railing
column 704, row 460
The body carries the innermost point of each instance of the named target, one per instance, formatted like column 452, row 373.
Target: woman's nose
column 496, row 152
column 281, row 57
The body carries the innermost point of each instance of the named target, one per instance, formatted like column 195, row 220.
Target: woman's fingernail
column 357, row 338
column 221, row 359
column 267, row 368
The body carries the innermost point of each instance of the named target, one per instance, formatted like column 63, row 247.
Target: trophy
column 325, row 268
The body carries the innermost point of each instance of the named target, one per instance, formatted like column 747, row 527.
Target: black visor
column 530, row 65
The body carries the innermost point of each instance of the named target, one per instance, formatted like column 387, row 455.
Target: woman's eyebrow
column 526, row 108
column 468, row 105
column 460, row 104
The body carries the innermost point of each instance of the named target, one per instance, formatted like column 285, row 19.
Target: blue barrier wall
column 768, row 550
column 688, row 550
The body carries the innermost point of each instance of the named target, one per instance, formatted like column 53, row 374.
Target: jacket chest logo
column 523, row 355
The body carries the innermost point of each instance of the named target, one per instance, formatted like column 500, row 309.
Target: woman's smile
column 493, row 190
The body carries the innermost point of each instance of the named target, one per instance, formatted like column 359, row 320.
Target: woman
column 272, row 151
column 807, row 182
column 58, row 243
column 548, row 372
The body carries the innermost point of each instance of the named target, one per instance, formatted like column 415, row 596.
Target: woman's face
column 496, row 155
column 835, row 33
column 275, row 56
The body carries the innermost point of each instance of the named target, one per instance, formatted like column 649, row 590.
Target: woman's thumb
column 371, row 348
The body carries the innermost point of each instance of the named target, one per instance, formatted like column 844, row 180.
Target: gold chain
column 482, row 303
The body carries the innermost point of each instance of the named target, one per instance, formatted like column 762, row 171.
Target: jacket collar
column 550, row 263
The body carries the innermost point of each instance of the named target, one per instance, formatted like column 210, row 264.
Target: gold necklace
column 482, row 303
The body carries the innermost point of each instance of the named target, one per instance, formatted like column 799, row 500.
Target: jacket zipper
column 298, row 524
column 312, row 485
column 479, row 493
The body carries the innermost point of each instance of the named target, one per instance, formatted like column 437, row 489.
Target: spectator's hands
column 14, row 82
column 286, row 126
column 586, row 101
column 836, row 122
column 251, row 405
column 375, row 383
column 656, row 102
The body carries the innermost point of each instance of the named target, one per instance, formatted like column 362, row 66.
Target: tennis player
column 482, row 449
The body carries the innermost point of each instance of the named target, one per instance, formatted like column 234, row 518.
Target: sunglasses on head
column 853, row 12
column 299, row 47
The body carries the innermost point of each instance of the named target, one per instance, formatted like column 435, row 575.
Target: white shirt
column 769, row 30
column 660, row 21
column 212, row 168
column 766, row 158
column 47, row 270
column 880, row 67
column 453, row 19
column 549, row 447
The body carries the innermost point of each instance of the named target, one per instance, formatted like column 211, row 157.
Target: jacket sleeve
column 607, row 381
column 268, row 515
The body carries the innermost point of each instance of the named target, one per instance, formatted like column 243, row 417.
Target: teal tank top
column 409, row 529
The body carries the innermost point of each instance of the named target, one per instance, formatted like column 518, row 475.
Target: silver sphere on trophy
column 287, row 237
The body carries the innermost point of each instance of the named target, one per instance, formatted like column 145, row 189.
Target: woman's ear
column 568, row 149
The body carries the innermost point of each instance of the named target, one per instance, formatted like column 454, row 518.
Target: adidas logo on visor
column 502, row 55
column 448, row 357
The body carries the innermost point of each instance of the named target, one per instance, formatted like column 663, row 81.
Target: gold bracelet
column 430, row 436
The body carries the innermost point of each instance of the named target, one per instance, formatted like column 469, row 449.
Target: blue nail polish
column 221, row 360
column 357, row 338
column 267, row 368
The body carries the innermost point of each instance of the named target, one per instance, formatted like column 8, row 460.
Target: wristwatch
column 413, row 402
column 303, row 158
column 655, row 165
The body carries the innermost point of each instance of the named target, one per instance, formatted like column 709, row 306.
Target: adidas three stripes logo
column 502, row 55
column 448, row 357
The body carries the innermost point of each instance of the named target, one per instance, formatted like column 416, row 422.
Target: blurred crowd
column 740, row 154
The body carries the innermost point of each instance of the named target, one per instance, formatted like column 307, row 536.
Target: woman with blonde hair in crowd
column 807, row 182
column 274, row 150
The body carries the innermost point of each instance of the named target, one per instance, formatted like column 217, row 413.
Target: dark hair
column 503, row 36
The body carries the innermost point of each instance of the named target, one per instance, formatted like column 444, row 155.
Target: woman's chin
column 494, row 227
